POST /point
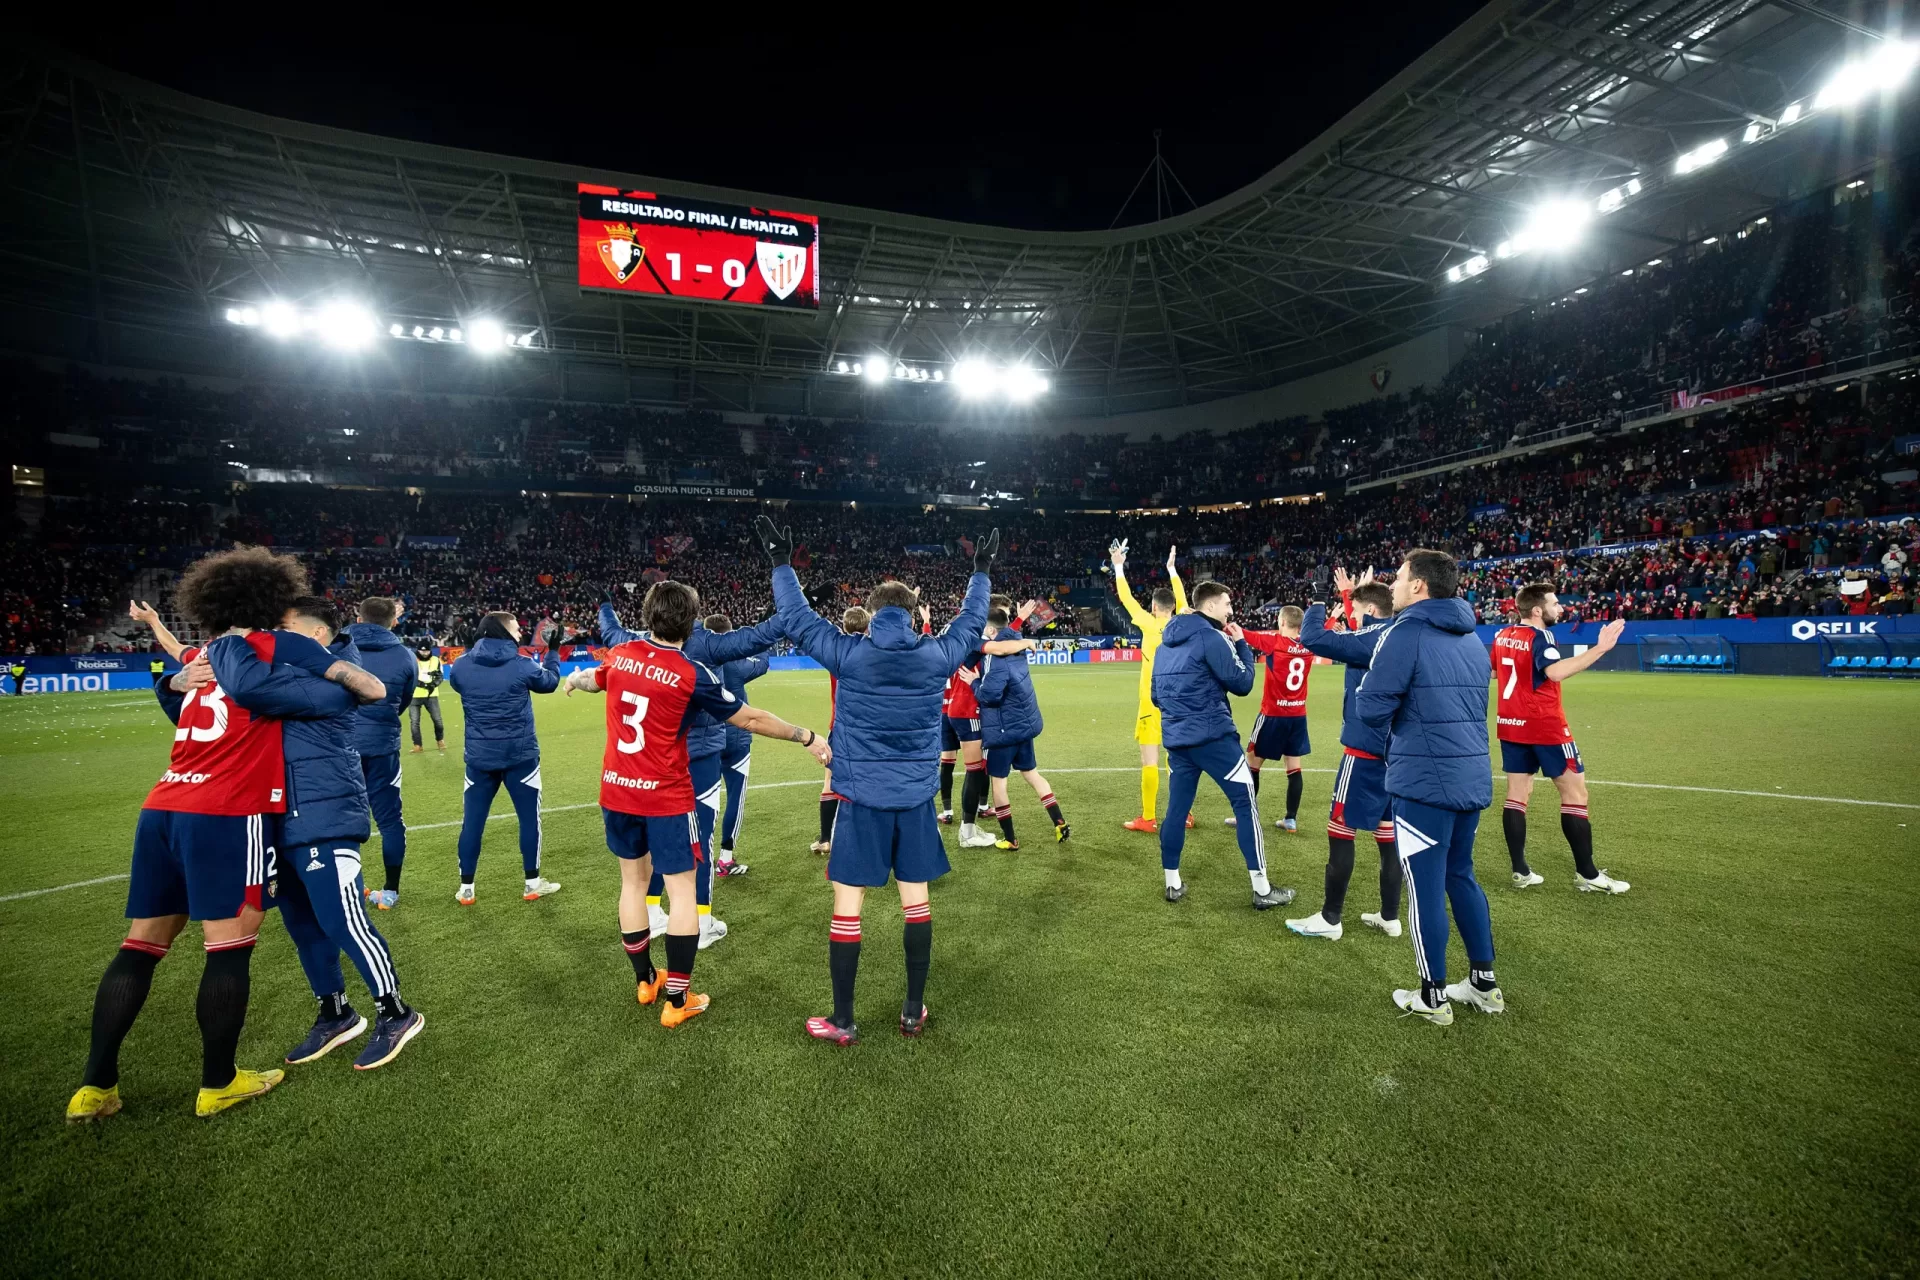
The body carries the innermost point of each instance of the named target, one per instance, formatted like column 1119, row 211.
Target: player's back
column 1289, row 668
column 226, row 761
column 650, row 705
column 1529, row 708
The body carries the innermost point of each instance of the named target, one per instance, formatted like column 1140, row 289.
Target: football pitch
column 1715, row 1074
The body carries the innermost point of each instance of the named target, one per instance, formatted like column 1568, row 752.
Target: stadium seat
column 1879, row 660
column 1690, row 659
column 1858, row 660
column 1717, row 660
column 1664, row 660
column 1899, row 662
column 1839, row 660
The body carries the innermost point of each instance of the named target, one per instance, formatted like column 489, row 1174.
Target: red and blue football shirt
column 653, row 694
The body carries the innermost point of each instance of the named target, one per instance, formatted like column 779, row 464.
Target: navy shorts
column 949, row 740
column 871, row 844
column 202, row 866
column 1360, row 802
column 1550, row 758
column 1015, row 757
column 1276, row 736
column 673, row 841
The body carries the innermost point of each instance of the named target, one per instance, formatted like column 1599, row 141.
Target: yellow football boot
column 245, row 1084
column 93, row 1103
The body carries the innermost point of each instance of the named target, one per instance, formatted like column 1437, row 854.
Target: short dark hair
column 855, row 620
column 719, row 623
column 893, row 595
column 1532, row 596
column 1207, row 591
column 669, row 609
column 1377, row 594
column 319, row 609
column 1163, row 598
column 998, row 616
column 381, row 611
column 1440, row 571
column 247, row 587
column 1000, row 601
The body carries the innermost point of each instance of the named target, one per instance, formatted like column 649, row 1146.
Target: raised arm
column 815, row 636
column 544, row 675
column 1354, row 650
column 753, row 668
column 611, row 632
column 141, row 611
column 1135, row 613
column 962, row 636
column 718, row 648
column 1179, row 588
column 1609, row 636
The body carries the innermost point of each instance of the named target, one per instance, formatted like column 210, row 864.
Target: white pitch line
column 807, row 782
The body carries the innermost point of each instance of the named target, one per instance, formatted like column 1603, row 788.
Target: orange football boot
column 650, row 991
column 672, row 1015
column 1147, row 825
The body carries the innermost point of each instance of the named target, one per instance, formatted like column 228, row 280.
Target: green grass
column 1714, row 1075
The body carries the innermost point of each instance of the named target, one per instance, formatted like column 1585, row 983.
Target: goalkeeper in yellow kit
column 1146, row 727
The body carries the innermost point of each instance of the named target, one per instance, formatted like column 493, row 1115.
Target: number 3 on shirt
column 1513, row 678
column 639, row 705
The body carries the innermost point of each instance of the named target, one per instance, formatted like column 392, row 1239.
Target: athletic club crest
column 620, row 253
column 1380, row 376
column 781, row 266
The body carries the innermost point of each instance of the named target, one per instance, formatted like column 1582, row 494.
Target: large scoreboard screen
column 641, row 242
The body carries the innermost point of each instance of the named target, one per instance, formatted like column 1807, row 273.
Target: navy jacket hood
column 377, row 731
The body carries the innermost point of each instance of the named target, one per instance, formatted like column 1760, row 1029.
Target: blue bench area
column 1870, row 655
column 1711, row 654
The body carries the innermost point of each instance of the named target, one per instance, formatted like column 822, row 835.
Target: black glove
column 775, row 541
column 984, row 551
column 555, row 636
column 607, row 596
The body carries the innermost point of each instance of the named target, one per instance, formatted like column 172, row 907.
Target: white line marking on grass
column 1771, row 795
column 77, row 884
column 808, row 782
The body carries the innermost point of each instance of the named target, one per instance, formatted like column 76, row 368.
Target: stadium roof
column 132, row 205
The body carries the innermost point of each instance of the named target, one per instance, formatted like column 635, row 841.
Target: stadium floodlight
column 436, row 333
column 395, row 331
column 1474, row 266
column 939, row 375
column 1791, row 114
column 1023, row 385
column 486, row 335
column 1752, row 133
column 419, row 332
column 974, row 379
column 526, row 339
column 1700, row 157
column 879, row 368
column 1881, row 71
column 1454, row 274
column 842, row 368
column 344, row 326
column 280, row 320
column 1555, row 225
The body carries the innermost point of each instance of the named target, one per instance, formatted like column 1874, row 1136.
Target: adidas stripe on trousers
column 1436, row 852
column 322, row 901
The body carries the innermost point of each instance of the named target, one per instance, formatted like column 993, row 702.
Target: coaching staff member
column 886, row 754
column 1427, row 688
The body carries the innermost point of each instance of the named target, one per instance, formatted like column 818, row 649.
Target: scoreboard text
column 640, row 242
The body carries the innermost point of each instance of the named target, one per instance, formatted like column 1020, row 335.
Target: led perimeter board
column 640, row 242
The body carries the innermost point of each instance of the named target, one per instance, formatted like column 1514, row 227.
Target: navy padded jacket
column 1009, row 711
column 1427, row 688
column 1194, row 670
column 382, row 653
column 1355, row 650
column 886, row 719
column 494, row 682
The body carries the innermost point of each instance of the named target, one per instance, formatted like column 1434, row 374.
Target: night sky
column 1002, row 118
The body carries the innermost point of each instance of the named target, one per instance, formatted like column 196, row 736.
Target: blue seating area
column 1712, row 654
column 1871, row 656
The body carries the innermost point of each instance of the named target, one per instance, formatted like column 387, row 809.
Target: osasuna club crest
column 781, row 265
column 620, row 253
column 1380, row 376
